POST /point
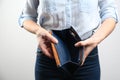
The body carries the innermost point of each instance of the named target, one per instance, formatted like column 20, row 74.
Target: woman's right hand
column 44, row 41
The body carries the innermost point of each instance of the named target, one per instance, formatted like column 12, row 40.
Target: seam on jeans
column 93, row 55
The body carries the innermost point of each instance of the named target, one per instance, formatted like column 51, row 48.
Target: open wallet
column 62, row 53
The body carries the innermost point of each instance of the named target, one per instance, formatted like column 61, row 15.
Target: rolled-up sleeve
column 108, row 9
column 29, row 12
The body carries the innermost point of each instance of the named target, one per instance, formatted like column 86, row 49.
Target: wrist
column 38, row 32
column 95, row 39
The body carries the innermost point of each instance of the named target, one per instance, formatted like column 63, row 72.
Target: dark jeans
column 46, row 68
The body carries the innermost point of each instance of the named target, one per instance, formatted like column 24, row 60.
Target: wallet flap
column 62, row 50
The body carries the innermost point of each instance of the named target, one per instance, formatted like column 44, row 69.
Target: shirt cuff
column 110, row 14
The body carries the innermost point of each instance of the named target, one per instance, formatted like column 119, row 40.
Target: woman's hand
column 43, row 36
column 88, row 44
column 102, row 32
column 44, row 41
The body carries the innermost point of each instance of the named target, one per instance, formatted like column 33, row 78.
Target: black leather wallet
column 61, row 52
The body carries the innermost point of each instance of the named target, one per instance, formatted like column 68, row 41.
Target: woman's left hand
column 100, row 34
column 88, row 44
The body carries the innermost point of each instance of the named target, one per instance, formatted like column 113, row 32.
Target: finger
column 80, row 43
column 46, row 52
column 87, row 50
column 83, row 60
column 84, row 56
column 51, row 38
column 83, row 43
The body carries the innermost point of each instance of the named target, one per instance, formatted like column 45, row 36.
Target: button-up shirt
column 83, row 15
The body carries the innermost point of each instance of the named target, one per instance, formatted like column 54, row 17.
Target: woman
column 59, row 15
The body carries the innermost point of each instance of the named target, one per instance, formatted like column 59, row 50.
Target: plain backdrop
column 18, row 47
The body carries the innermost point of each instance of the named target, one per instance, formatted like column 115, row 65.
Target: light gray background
column 18, row 47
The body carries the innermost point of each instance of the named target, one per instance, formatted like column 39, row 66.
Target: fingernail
column 56, row 41
column 76, row 45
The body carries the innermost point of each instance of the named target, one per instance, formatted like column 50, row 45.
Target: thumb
column 84, row 43
column 52, row 38
column 80, row 43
